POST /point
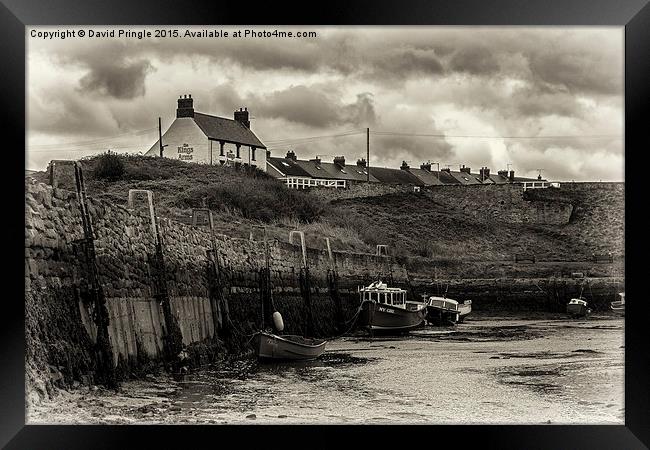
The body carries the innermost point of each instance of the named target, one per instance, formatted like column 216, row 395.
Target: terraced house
column 303, row 174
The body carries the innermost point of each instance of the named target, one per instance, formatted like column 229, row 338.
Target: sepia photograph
column 329, row 225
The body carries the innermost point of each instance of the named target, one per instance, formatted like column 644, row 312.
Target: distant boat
column 464, row 309
column 577, row 307
column 387, row 310
column 288, row 347
column 442, row 311
column 619, row 305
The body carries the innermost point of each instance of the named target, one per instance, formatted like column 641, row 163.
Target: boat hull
column 288, row 348
column 384, row 318
column 577, row 310
column 618, row 307
column 440, row 316
column 463, row 311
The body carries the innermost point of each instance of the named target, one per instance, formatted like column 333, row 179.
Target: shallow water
column 490, row 370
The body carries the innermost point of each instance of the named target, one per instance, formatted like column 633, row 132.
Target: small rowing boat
column 288, row 347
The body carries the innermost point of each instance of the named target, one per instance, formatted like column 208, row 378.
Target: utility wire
column 94, row 141
column 391, row 133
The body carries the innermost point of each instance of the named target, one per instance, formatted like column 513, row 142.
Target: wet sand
column 489, row 370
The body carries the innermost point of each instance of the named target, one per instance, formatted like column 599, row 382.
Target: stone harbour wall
column 210, row 306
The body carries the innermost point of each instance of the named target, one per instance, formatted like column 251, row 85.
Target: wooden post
column 368, row 153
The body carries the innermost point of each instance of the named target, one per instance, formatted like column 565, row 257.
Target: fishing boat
column 618, row 306
column 577, row 307
column 280, row 347
column 386, row 310
column 442, row 311
column 288, row 347
column 464, row 309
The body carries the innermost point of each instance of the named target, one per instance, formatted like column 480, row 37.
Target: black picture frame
column 634, row 15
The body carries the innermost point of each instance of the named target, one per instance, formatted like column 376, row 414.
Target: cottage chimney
column 241, row 116
column 268, row 154
column 512, row 176
column 339, row 160
column 291, row 155
column 404, row 166
column 487, row 172
column 361, row 162
column 465, row 169
column 426, row 166
column 539, row 177
column 316, row 159
column 185, row 106
column 503, row 173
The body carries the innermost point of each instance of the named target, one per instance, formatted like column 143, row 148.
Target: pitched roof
column 465, row 178
column 335, row 171
column 427, row 177
column 288, row 167
column 394, row 176
column 229, row 130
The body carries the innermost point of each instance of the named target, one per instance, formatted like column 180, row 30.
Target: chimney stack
column 185, row 106
column 241, row 116
column 291, row 155
column 316, row 159
column 512, row 176
column 361, row 162
column 465, row 169
column 426, row 166
column 404, row 166
column 339, row 160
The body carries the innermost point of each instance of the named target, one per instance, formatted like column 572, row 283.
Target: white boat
column 464, row 309
column 577, row 307
column 442, row 310
column 619, row 305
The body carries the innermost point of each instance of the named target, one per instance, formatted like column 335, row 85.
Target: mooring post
column 103, row 348
column 304, row 279
column 332, row 284
column 172, row 336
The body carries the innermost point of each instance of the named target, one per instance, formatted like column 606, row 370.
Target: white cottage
column 202, row 138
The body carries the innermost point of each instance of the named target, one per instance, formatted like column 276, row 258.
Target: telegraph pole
column 368, row 153
column 160, row 138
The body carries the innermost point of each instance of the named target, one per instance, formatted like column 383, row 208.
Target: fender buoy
column 277, row 321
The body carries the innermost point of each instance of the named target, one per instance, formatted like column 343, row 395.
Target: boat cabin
column 577, row 301
column 446, row 304
column 381, row 293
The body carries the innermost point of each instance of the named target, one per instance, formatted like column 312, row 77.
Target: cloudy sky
column 547, row 98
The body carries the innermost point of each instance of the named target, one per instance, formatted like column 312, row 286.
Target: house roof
column 335, row 171
column 229, row 130
column 394, row 176
column 287, row 167
column 464, row 178
column 427, row 177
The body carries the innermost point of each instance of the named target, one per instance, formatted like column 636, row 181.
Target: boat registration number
column 382, row 309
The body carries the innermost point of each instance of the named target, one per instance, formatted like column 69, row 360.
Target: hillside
column 465, row 224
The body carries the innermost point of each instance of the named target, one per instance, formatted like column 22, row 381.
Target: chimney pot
column 185, row 107
column 241, row 116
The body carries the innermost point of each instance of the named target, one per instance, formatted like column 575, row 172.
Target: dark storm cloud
column 122, row 80
column 112, row 70
column 578, row 72
column 475, row 60
column 313, row 106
